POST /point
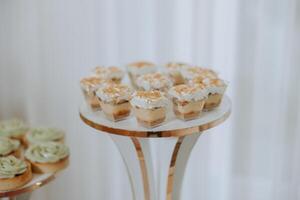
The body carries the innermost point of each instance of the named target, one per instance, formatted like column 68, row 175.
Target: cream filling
column 115, row 108
column 148, row 104
column 141, row 70
column 49, row 152
column 44, row 135
column 188, row 96
column 150, row 115
column 155, row 84
column 11, row 167
column 12, row 128
column 195, row 106
column 8, row 145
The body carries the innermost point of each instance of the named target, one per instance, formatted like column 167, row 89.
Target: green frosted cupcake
column 41, row 135
column 13, row 128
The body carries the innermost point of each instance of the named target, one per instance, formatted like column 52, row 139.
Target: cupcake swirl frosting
column 49, row 152
column 10, row 167
column 8, row 145
column 13, row 128
column 38, row 135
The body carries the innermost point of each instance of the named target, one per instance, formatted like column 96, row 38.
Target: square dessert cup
column 139, row 68
column 187, row 110
column 92, row 100
column 213, row 101
column 154, row 81
column 116, row 111
column 114, row 101
column 150, row 118
column 188, row 100
column 174, row 70
column 149, row 108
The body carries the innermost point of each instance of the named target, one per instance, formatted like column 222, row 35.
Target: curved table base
column 156, row 167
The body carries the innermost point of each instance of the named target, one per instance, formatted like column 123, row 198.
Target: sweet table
column 168, row 146
column 24, row 192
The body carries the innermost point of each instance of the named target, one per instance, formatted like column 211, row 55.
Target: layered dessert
column 9, row 147
column 114, row 101
column 13, row 128
column 47, row 157
column 193, row 72
column 188, row 101
column 43, row 134
column 137, row 69
column 215, row 90
column 149, row 108
column 89, row 85
column 154, row 81
column 113, row 73
column 174, row 70
column 14, row 173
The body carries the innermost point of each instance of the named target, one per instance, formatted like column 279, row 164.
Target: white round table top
column 172, row 127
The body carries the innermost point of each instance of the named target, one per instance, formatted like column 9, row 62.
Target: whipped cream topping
column 215, row 86
column 13, row 128
column 188, row 92
column 7, row 146
column 11, row 166
column 154, row 81
column 149, row 99
column 114, row 93
column 193, row 72
column 92, row 83
column 43, row 134
column 140, row 68
column 109, row 73
column 48, row 152
column 176, row 67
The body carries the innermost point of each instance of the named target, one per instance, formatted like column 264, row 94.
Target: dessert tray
column 155, row 167
column 37, row 181
column 172, row 127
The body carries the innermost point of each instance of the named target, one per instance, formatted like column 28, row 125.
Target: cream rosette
column 13, row 128
column 41, row 134
column 7, row 146
column 10, row 167
column 50, row 152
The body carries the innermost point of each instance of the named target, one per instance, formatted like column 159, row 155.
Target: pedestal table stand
column 156, row 166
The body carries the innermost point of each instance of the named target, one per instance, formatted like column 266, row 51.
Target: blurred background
column 46, row 46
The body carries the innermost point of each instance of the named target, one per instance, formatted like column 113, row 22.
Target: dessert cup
column 137, row 69
column 43, row 134
column 10, row 147
column 190, row 73
column 110, row 73
column 114, row 100
column 149, row 108
column 14, row 128
column 89, row 85
column 215, row 90
column 154, row 81
column 14, row 173
column 47, row 157
column 174, row 70
column 188, row 101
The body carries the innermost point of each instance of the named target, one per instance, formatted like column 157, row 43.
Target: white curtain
column 46, row 46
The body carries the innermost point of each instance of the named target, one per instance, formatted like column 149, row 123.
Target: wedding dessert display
column 190, row 90
column 25, row 151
